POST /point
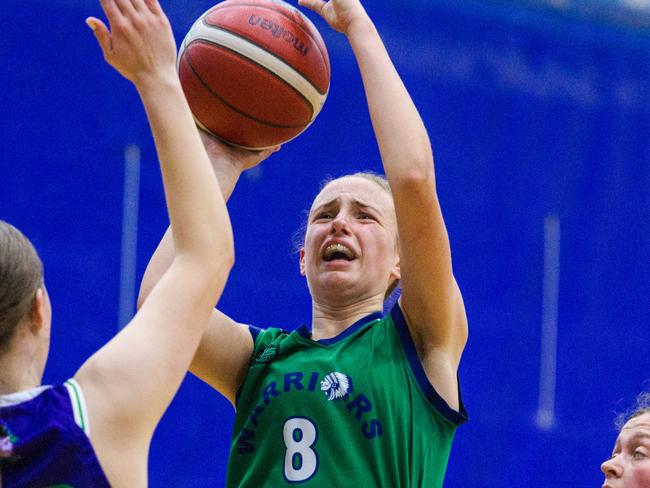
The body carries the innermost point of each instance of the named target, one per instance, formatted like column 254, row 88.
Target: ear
column 396, row 272
column 37, row 313
column 302, row 261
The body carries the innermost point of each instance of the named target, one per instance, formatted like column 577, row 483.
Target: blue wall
column 531, row 113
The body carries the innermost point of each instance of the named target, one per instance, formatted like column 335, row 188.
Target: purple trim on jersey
column 49, row 447
column 304, row 332
column 457, row 417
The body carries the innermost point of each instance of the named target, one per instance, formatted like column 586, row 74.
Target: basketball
column 255, row 72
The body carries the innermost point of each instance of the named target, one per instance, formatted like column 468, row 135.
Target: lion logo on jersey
column 336, row 386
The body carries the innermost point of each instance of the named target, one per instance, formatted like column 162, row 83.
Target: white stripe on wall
column 545, row 418
column 130, row 206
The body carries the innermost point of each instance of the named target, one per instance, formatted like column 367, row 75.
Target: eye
column 324, row 216
column 365, row 216
column 639, row 454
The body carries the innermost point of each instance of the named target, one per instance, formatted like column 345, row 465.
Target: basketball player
column 94, row 430
column 629, row 464
column 359, row 398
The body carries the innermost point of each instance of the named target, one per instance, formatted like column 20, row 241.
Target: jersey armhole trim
column 456, row 417
column 78, row 405
column 255, row 331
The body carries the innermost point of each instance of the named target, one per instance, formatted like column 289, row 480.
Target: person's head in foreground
column 629, row 464
column 25, row 312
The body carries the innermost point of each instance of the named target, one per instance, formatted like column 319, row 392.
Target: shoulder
column 22, row 397
column 64, row 400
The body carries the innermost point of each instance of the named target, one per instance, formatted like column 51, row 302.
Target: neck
column 329, row 320
column 20, row 368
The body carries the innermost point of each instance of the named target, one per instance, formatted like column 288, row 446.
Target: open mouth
column 338, row 251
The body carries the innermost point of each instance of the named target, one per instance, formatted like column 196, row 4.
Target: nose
column 611, row 469
column 340, row 224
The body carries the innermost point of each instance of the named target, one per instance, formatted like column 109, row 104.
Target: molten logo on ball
column 277, row 31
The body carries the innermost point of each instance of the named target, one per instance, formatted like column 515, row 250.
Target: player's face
column 629, row 466
column 350, row 251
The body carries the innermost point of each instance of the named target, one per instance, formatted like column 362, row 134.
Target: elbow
column 217, row 253
column 216, row 275
column 413, row 167
column 229, row 259
column 223, row 260
column 145, row 289
column 415, row 177
column 420, row 167
column 228, row 255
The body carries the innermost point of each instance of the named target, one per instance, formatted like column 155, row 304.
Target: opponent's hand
column 140, row 44
column 339, row 14
column 221, row 153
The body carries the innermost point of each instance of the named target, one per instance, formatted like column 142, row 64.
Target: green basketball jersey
column 354, row 410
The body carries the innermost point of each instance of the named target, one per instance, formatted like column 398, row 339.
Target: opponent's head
column 351, row 247
column 23, row 299
column 629, row 465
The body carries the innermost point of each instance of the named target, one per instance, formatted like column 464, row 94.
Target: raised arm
column 129, row 382
column 431, row 299
column 224, row 352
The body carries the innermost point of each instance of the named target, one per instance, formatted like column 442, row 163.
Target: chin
column 335, row 287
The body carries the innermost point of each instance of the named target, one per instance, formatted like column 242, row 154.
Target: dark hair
column 299, row 236
column 641, row 407
column 21, row 274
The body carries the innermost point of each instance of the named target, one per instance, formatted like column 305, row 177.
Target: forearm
column 227, row 172
column 196, row 210
column 229, row 162
column 159, row 263
column 402, row 138
column 430, row 296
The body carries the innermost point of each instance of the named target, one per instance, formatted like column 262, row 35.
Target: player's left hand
column 140, row 43
column 339, row 14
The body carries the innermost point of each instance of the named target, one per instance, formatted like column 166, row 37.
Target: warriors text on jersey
column 44, row 440
column 356, row 409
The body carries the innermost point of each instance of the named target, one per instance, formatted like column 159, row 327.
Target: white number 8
column 300, row 460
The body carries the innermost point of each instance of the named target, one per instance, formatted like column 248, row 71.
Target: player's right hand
column 221, row 153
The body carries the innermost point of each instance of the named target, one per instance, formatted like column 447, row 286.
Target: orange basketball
column 255, row 72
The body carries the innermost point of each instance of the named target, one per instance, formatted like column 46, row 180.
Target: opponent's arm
column 129, row 383
column 431, row 299
column 225, row 349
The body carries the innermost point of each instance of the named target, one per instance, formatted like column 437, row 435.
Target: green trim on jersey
column 348, row 410
column 78, row 405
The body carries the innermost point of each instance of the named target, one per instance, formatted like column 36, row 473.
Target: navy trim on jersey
column 255, row 331
column 418, row 371
column 304, row 332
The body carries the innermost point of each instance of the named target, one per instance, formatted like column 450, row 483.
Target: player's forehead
column 354, row 189
column 640, row 422
column 636, row 428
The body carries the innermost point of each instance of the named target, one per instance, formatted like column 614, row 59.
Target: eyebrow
column 640, row 435
column 355, row 201
column 637, row 436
